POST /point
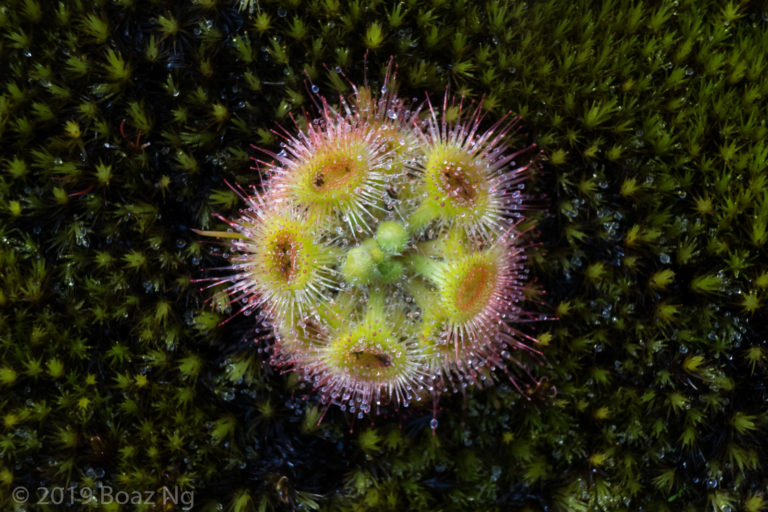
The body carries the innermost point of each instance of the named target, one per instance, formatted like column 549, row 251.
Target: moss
column 120, row 122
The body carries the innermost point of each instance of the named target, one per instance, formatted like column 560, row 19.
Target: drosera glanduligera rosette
column 384, row 250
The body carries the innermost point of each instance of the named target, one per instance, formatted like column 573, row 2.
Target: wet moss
column 121, row 120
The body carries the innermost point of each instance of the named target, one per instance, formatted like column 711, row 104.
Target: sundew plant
column 385, row 251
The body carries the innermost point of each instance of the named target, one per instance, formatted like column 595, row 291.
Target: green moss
column 652, row 239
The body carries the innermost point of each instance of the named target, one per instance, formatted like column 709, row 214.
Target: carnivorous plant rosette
column 384, row 250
